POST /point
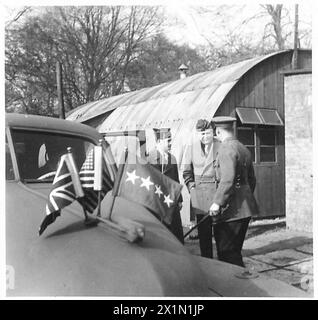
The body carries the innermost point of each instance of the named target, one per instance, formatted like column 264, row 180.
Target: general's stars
column 167, row 200
column 147, row 183
column 132, row 176
column 158, row 191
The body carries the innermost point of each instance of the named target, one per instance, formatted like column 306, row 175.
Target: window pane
column 267, row 154
column 248, row 116
column 252, row 151
column 246, row 136
column 270, row 117
column 267, row 137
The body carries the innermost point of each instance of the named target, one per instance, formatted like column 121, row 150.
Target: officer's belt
column 204, row 179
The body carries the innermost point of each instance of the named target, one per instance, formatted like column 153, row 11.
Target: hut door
column 264, row 143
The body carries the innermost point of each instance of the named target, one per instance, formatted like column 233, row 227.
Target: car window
column 38, row 153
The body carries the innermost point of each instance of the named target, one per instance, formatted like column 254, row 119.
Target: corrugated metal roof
column 169, row 101
column 176, row 105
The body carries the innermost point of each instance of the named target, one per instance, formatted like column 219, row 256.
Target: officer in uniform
column 199, row 177
column 162, row 159
column 233, row 202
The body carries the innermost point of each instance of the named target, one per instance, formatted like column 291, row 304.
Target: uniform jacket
column 168, row 167
column 199, row 176
column 235, row 181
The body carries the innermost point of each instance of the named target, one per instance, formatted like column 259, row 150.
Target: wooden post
column 60, row 90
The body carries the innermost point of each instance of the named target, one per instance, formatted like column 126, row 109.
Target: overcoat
column 199, row 175
column 235, row 181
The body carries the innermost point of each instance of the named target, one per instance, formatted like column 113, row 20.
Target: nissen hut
column 250, row 90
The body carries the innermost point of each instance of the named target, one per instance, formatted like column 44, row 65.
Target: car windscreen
column 38, row 153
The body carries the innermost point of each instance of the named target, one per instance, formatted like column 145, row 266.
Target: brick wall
column 298, row 151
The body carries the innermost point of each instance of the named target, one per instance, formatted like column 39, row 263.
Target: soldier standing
column 233, row 202
column 199, row 177
column 162, row 159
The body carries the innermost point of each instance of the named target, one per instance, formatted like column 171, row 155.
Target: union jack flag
column 92, row 170
column 62, row 194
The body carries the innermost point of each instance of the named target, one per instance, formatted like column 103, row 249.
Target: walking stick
column 193, row 228
column 213, row 222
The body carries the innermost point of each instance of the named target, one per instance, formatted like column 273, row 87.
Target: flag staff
column 76, row 180
column 118, row 180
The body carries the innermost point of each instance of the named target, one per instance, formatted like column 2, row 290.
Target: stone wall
column 298, row 151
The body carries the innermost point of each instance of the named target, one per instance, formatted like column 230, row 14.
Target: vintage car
column 72, row 258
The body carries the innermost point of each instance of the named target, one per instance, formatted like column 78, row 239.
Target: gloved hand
column 214, row 210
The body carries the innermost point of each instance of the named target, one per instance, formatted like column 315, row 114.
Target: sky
column 198, row 27
column 186, row 25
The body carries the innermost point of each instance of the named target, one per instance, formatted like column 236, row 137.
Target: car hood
column 70, row 259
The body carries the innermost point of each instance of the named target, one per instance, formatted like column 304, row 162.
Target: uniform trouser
column 202, row 198
column 229, row 238
column 205, row 236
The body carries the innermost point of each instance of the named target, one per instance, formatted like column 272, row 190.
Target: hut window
column 248, row 116
column 270, row 117
column 247, row 137
column 256, row 116
column 261, row 142
column 267, row 145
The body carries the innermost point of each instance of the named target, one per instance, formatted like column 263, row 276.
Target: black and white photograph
column 160, row 149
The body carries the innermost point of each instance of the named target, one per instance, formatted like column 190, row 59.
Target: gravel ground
column 274, row 251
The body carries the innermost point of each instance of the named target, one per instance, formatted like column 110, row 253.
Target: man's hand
column 180, row 205
column 214, row 209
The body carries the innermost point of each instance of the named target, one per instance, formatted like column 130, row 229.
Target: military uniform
column 168, row 166
column 199, row 177
column 235, row 186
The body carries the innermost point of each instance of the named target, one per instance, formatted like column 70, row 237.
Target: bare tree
column 17, row 16
column 275, row 12
column 95, row 45
column 231, row 34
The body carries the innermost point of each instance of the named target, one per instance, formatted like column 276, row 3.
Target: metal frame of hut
column 251, row 90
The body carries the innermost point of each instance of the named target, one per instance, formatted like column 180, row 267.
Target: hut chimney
column 183, row 71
